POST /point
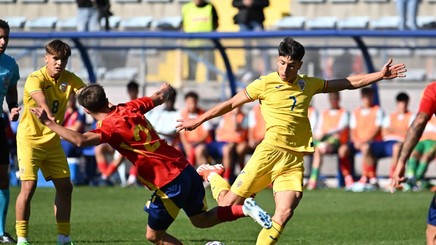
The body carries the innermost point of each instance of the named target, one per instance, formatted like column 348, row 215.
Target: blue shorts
column 382, row 149
column 431, row 219
column 185, row 192
column 215, row 149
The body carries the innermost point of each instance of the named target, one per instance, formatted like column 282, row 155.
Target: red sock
column 227, row 174
column 229, row 213
column 102, row 166
column 110, row 170
column 345, row 166
column 133, row 171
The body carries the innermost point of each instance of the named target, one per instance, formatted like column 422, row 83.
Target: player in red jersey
column 161, row 167
column 427, row 109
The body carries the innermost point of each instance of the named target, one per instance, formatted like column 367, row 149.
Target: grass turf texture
column 116, row 216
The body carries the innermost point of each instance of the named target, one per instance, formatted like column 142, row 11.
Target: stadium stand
column 353, row 22
column 136, row 23
column 323, row 22
column 291, row 22
column 41, row 23
column 16, row 22
column 69, row 24
column 168, row 23
column 385, row 22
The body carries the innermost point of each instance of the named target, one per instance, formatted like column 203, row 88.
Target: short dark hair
column 93, row 98
column 172, row 96
column 191, row 94
column 58, row 48
column 132, row 85
column 402, row 97
column 5, row 26
column 291, row 48
column 367, row 91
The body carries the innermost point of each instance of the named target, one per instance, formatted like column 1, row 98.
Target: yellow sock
column 218, row 184
column 269, row 236
column 22, row 228
column 63, row 227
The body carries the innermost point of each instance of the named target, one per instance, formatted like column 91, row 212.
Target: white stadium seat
column 354, row 22
column 291, row 22
column 323, row 22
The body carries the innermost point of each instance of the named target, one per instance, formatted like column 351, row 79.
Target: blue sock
column 4, row 204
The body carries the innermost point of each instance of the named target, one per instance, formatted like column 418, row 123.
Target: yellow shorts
column 51, row 160
column 270, row 165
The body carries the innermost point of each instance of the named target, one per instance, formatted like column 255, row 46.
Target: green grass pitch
column 116, row 216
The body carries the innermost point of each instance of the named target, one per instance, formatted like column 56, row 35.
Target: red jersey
column 428, row 100
column 127, row 130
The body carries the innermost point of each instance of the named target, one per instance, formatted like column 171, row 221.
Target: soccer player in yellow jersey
column 38, row 146
column 284, row 96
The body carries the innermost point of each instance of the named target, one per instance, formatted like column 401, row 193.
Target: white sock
column 22, row 239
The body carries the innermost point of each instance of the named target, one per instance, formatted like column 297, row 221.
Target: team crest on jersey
column 301, row 84
column 63, row 87
column 6, row 82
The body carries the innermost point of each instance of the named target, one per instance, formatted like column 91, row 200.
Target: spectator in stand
column 231, row 141
column 199, row 16
column 195, row 141
column 164, row 121
column 331, row 136
column 423, row 153
column 407, row 11
column 394, row 130
column 87, row 16
column 250, row 17
column 366, row 127
column 104, row 12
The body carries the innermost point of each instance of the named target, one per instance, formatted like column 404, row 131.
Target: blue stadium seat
column 322, row 22
column 291, row 22
column 354, row 22
column 46, row 23
column 168, row 23
column 416, row 74
column 16, row 22
column 114, row 22
column 136, row 23
column 67, row 24
column 385, row 22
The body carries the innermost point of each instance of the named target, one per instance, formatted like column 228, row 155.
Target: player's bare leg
column 161, row 237
column 62, row 208
column 286, row 202
column 22, row 207
column 430, row 234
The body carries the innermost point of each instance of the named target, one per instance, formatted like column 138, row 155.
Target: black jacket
column 254, row 13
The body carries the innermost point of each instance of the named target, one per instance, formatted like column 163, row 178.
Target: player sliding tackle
column 284, row 97
column 161, row 167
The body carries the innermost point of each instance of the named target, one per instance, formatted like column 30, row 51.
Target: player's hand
column 40, row 114
column 15, row 113
column 187, row 124
column 390, row 71
column 398, row 177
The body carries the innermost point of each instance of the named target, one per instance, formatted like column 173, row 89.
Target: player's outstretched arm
column 216, row 111
column 74, row 137
column 389, row 71
column 413, row 135
column 162, row 95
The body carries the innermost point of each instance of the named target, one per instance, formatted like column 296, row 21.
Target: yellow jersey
column 284, row 107
column 30, row 129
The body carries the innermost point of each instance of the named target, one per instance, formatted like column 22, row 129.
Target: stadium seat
column 157, row 1
column 121, row 73
column 354, row 22
column 291, row 22
column 16, row 22
column 311, row 1
column 83, row 73
column 168, row 23
column 385, row 22
column 136, row 23
column 323, row 22
column 422, row 20
column 395, row 52
column 69, row 24
column 332, row 52
column 376, row 1
column 114, row 22
column 432, row 76
column 41, row 23
column 343, row 1
column 426, row 52
column 127, row 1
